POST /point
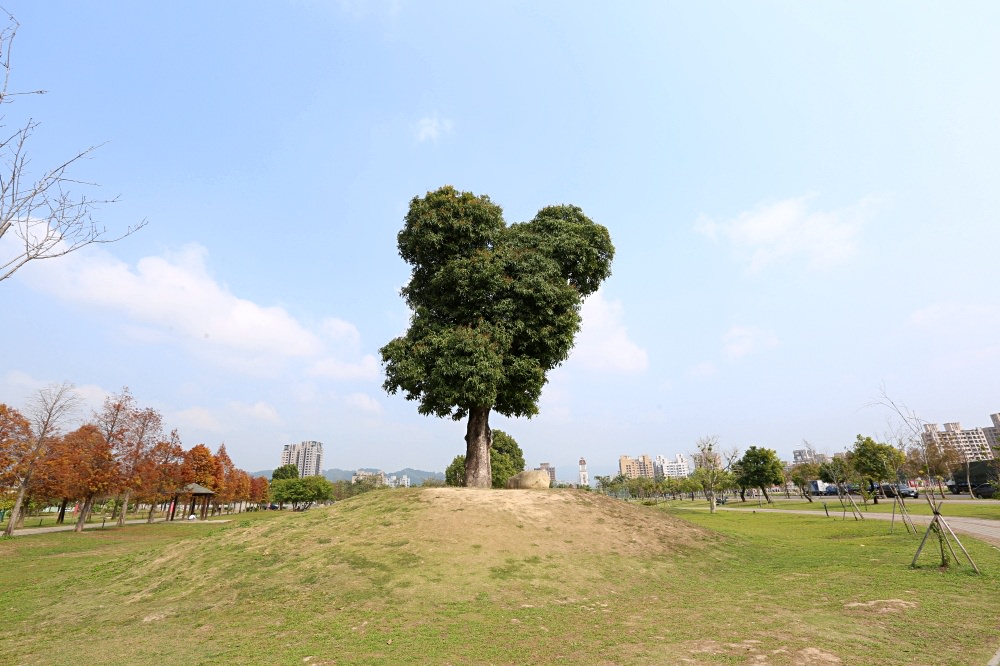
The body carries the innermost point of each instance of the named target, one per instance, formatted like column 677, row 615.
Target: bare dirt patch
column 557, row 520
column 881, row 606
column 751, row 652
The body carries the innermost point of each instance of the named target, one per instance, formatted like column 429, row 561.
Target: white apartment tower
column 971, row 445
column 800, row 456
column 678, row 468
column 584, row 479
column 307, row 456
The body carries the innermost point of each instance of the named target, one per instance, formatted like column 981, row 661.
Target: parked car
column 985, row 490
column 831, row 490
column 899, row 490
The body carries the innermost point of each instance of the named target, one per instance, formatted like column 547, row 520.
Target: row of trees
column 122, row 452
column 868, row 464
column 717, row 473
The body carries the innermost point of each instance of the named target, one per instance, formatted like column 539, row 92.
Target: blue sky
column 803, row 198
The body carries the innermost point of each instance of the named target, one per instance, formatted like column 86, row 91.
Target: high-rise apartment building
column 993, row 434
column 971, row 444
column 635, row 468
column 584, row 478
column 678, row 468
column 800, row 456
column 307, row 456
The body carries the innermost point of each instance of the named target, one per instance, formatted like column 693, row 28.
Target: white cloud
column 259, row 411
column 197, row 418
column 788, row 228
column 737, row 342
column 740, row 341
column 173, row 299
column 363, row 402
column 431, row 128
column 603, row 343
column 365, row 369
column 17, row 388
column 346, row 342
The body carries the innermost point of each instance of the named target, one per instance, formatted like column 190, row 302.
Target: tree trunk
column 81, row 520
column 478, row 437
column 62, row 511
column 16, row 511
column 766, row 496
column 124, row 507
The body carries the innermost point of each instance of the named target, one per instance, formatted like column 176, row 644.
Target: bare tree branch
column 48, row 218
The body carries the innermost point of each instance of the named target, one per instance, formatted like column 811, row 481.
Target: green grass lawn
column 967, row 509
column 390, row 577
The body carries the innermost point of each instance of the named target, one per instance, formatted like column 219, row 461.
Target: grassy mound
column 455, row 576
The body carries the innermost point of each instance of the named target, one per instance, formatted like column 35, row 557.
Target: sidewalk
column 982, row 528
column 107, row 525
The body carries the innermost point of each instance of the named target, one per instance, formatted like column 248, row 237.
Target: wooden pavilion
column 200, row 497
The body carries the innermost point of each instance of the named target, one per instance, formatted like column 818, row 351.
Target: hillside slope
column 461, row 576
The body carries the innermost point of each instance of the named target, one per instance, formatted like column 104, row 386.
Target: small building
column 199, row 497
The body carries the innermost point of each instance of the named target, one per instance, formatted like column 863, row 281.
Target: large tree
column 132, row 431
column 301, row 492
column 289, row 471
column 494, row 308
column 161, row 474
column 199, row 467
column 46, row 413
column 876, row 462
column 15, row 440
column 803, row 475
column 94, row 469
column 760, row 468
column 713, row 469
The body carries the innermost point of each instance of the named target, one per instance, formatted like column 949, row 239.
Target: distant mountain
column 416, row 476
